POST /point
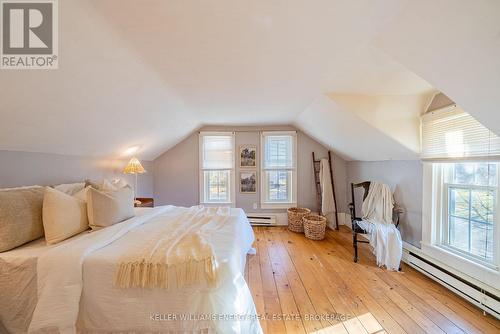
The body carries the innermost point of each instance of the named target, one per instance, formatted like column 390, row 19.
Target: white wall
column 405, row 179
column 26, row 168
column 177, row 171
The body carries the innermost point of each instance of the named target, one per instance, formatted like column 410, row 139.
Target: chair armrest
column 355, row 227
column 351, row 209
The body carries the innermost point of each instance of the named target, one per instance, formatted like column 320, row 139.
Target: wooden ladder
column 316, row 168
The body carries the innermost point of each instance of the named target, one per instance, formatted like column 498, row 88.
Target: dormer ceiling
column 149, row 73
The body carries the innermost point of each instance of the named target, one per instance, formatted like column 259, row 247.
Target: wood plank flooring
column 304, row 286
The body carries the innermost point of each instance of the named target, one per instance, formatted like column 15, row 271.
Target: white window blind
column 451, row 133
column 218, row 152
column 216, row 167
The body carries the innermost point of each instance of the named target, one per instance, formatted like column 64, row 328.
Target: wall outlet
column 255, row 206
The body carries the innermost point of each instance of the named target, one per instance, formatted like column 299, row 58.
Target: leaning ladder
column 316, row 167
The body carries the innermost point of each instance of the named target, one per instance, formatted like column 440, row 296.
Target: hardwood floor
column 304, row 286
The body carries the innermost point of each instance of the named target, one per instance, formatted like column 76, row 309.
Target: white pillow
column 82, row 194
column 119, row 183
column 70, row 188
column 105, row 208
column 113, row 185
column 20, row 216
column 63, row 216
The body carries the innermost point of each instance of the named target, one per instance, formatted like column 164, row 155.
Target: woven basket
column 314, row 227
column 295, row 216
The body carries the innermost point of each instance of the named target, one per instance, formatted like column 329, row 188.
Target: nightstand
column 145, row 202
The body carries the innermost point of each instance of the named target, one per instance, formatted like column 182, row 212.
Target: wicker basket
column 314, row 227
column 295, row 216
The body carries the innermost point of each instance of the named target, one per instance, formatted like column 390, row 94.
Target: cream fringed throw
column 180, row 249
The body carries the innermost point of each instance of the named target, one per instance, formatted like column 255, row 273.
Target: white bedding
column 75, row 285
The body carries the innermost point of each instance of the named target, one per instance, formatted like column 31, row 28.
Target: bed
column 69, row 287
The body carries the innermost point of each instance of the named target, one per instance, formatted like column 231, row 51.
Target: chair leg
column 355, row 244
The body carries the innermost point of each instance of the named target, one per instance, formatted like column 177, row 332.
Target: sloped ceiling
column 149, row 73
column 455, row 46
column 352, row 137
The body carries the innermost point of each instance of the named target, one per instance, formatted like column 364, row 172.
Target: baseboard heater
column 262, row 220
column 483, row 299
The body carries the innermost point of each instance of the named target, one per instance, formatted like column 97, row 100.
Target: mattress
column 18, row 283
column 104, row 308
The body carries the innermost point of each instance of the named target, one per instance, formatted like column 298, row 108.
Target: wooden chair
column 356, row 229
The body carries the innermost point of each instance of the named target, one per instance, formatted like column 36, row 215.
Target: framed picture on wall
column 248, row 182
column 248, row 156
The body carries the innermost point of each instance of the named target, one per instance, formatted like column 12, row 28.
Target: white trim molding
column 265, row 205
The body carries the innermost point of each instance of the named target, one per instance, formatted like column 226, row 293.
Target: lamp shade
column 134, row 167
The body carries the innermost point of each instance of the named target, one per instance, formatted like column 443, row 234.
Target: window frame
column 202, row 170
column 292, row 202
column 434, row 236
column 444, row 236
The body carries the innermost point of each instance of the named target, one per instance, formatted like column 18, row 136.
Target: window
column 469, row 193
column 216, row 167
column 461, row 161
column 279, row 170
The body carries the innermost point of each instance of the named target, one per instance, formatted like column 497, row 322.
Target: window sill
column 488, row 275
column 465, row 257
column 277, row 205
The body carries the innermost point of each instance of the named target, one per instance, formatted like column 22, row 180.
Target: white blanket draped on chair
column 383, row 235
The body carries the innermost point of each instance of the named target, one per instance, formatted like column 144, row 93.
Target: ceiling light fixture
column 131, row 150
